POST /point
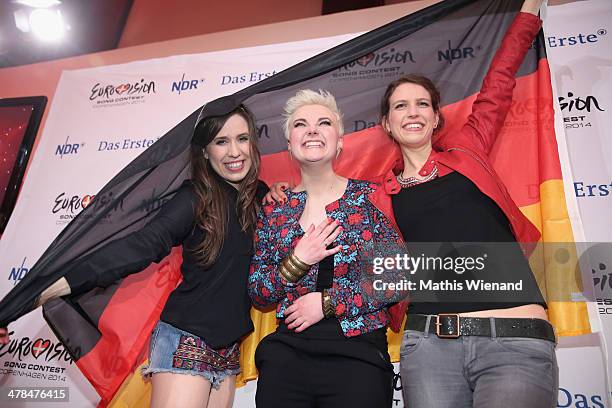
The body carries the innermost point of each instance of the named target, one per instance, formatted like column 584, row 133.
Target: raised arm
column 134, row 252
column 493, row 102
column 130, row 254
column 531, row 6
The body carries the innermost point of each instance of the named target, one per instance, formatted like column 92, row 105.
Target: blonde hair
column 306, row 97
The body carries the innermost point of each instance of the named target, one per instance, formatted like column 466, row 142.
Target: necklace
column 412, row 181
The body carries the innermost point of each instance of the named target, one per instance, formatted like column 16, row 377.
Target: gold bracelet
column 290, row 264
column 291, row 273
column 286, row 274
column 298, row 262
column 296, row 272
column 293, row 269
column 328, row 309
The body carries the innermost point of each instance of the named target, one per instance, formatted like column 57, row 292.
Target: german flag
column 453, row 43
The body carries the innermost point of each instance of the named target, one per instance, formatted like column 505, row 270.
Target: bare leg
column 224, row 396
column 179, row 390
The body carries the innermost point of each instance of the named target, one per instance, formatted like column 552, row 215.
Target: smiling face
column 313, row 134
column 411, row 119
column 229, row 153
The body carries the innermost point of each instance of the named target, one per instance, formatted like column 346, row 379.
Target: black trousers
column 307, row 371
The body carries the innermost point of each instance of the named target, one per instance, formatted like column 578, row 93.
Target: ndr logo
column 451, row 53
column 186, row 84
column 579, row 39
column 18, row 272
column 67, row 148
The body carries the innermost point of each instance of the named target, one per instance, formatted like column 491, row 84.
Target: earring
column 338, row 150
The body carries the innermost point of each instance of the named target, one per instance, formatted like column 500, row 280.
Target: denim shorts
column 176, row 351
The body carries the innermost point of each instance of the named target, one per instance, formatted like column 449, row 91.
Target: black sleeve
column 132, row 253
column 262, row 190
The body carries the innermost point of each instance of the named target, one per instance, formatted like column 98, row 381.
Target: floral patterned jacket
column 365, row 228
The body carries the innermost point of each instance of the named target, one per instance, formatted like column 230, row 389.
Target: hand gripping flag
column 106, row 330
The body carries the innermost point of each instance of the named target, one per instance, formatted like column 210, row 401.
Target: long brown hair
column 212, row 211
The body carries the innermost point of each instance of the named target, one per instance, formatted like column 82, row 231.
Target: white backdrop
column 93, row 132
column 579, row 47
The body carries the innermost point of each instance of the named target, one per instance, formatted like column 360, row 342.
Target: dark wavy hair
column 211, row 211
column 416, row 79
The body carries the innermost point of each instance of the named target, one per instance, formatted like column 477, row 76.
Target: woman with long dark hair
column 467, row 350
column 470, row 350
column 194, row 348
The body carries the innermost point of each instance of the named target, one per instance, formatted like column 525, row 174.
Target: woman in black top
column 194, row 354
column 464, row 347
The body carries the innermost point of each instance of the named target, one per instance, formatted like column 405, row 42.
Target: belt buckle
column 447, row 335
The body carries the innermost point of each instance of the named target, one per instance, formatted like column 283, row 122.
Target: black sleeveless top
column 449, row 217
